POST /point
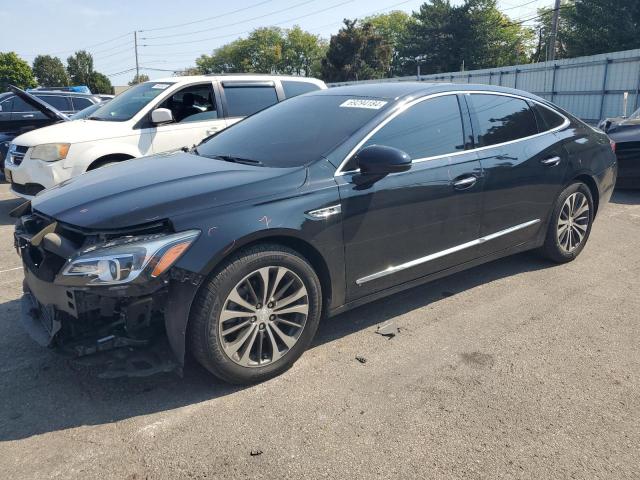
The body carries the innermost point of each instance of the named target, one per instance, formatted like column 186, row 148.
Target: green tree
column 100, row 83
column 49, row 71
column 15, row 71
column 267, row 50
column 601, row 26
column 356, row 52
column 139, row 79
column 544, row 32
column 302, row 52
column 474, row 34
column 393, row 26
column 80, row 67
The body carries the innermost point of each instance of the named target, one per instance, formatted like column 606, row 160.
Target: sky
column 172, row 34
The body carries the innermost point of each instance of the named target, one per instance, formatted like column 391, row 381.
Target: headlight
column 126, row 259
column 50, row 152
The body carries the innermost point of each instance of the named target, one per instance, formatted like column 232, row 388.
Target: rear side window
column 500, row 119
column 80, row 103
column 292, row 88
column 243, row 101
column 547, row 118
column 430, row 128
column 59, row 103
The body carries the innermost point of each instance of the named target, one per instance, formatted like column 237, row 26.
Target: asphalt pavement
column 515, row 369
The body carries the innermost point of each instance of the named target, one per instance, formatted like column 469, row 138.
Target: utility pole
column 135, row 42
column 554, row 31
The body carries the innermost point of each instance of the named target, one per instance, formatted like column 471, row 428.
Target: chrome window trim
column 403, row 108
column 443, row 253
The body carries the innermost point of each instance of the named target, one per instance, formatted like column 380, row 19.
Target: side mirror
column 161, row 115
column 381, row 160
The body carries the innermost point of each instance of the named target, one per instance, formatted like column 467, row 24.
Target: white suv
column 152, row 117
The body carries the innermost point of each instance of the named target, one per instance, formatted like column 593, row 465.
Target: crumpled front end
column 84, row 293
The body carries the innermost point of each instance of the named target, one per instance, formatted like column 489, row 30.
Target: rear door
column 411, row 224
column 241, row 99
column 6, row 106
column 524, row 166
column 196, row 116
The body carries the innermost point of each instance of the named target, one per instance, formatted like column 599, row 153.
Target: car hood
column 76, row 131
column 144, row 190
column 48, row 111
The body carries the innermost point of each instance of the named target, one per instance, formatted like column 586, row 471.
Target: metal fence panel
column 591, row 87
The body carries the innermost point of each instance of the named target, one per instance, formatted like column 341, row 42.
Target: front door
column 411, row 224
column 195, row 115
column 524, row 166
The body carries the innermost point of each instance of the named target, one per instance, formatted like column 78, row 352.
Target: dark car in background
column 625, row 132
column 20, row 113
column 237, row 248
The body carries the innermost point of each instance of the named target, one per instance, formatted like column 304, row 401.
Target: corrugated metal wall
column 591, row 88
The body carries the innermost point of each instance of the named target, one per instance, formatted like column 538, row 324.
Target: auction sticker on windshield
column 160, row 86
column 363, row 103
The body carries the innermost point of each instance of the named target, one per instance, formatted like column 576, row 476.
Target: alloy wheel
column 573, row 222
column 263, row 316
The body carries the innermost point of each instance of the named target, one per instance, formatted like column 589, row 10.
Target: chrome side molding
column 443, row 253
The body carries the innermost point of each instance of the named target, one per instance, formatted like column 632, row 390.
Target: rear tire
column 570, row 224
column 256, row 314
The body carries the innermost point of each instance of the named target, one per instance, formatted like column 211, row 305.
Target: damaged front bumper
column 84, row 320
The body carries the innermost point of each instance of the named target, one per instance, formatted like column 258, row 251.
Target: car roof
column 402, row 90
column 61, row 93
column 235, row 76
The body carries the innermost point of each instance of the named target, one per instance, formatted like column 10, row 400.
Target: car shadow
column 626, row 197
column 42, row 392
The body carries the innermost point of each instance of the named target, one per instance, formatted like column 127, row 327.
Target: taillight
column 613, row 145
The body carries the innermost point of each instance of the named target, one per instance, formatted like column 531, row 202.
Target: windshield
column 295, row 132
column 635, row 115
column 127, row 104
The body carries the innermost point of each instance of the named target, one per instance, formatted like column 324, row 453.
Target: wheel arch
column 590, row 182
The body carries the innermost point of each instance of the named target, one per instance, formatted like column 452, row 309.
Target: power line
column 231, row 24
column 207, row 19
column 249, row 31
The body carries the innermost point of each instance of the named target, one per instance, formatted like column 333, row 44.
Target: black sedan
column 237, row 249
column 625, row 132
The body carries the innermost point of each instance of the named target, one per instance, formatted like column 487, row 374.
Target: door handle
column 28, row 115
column 465, row 182
column 551, row 162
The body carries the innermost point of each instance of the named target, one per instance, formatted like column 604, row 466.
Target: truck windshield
column 127, row 104
column 295, row 132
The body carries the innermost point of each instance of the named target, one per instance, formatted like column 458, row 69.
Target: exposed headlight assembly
column 124, row 260
column 50, row 152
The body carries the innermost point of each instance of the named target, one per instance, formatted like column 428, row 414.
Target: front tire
column 570, row 224
column 256, row 315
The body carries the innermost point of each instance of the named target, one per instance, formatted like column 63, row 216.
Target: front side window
column 500, row 119
column 124, row 106
column 427, row 129
column 292, row 88
column 20, row 106
column 6, row 104
column 293, row 133
column 60, row 103
column 192, row 104
column 243, row 101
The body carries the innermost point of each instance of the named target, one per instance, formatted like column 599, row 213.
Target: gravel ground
column 515, row 369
